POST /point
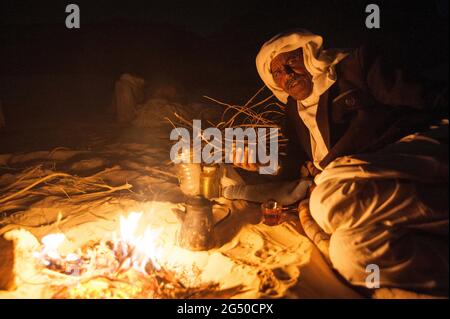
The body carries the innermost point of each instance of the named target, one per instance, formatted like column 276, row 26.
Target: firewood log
column 6, row 264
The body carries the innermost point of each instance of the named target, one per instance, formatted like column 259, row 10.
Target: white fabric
column 319, row 63
column 318, row 147
column 389, row 208
column 285, row 193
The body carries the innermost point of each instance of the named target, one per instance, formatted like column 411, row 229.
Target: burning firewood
column 127, row 266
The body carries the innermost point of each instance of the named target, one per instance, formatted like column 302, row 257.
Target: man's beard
column 301, row 84
column 301, row 79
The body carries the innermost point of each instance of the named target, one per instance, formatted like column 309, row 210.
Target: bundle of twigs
column 264, row 113
column 253, row 115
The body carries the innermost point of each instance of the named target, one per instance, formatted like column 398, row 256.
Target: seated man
column 342, row 102
column 382, row 193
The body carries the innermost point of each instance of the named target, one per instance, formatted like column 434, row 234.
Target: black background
column 364, row 308
column 51, row 73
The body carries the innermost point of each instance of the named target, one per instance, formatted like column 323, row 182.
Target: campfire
column 126, row 265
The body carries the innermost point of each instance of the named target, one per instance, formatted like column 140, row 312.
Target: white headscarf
column 319, row 63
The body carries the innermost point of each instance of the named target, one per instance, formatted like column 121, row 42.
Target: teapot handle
column 223, row 218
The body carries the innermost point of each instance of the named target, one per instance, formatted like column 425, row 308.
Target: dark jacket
column 370, row 105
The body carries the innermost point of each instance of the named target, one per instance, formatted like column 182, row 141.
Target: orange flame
column 137, row 250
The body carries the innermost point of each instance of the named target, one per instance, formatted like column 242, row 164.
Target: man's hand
column 240, row 158
column 308, row 170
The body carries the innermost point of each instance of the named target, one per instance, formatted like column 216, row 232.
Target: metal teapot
column 197, row 224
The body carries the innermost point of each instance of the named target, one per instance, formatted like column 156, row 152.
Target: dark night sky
column 207, row 46
column 199, row 15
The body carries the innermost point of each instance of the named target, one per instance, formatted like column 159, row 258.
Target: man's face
column 289, row 73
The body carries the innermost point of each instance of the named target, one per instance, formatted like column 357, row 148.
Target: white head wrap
column 319, row 63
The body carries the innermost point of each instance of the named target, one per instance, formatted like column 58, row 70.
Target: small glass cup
column 188, row 174
column 271, row 211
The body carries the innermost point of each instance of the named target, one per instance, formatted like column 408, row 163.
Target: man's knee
column 325, row 203
column 347, row 257
column 318, row 206
column 365, row 256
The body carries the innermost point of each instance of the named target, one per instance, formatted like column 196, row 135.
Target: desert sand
column 268, row 261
